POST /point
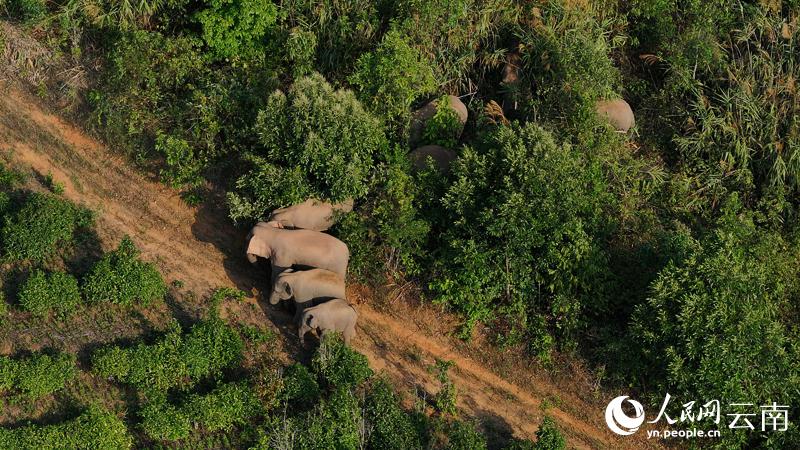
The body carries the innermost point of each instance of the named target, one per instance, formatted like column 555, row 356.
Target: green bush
column 338, row 365
column 175, row 360
column 315, row 141
column 333, row 424
column 56, row 291
column 237, row 28
column 392, row 427
column 299, row 385
column 27, row 11
column 38, row 375
column 548, row 437
column 522, row 222
column 120, row 277
column 41, row 225
column 164, row 422
column 464, row 436
column 95, row 428
column 227, row 405
column 392, row 77
column 716, row 325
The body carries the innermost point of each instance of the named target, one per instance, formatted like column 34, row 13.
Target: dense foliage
column 94, row 428
column 37, row 375
column 315, row 141
column 40, row 225
column 121, row 277
column 56, row 291
column 175, row 360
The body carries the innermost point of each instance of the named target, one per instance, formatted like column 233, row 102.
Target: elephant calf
column 306, row 287
column 312, row 214
column 335, row 315
column 285, row 248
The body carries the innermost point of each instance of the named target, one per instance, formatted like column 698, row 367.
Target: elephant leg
column 302, row 333
column 348, row 334
column 299, row 308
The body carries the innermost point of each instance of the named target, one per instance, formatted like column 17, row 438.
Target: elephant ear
column 311, row 321
column 288, row 289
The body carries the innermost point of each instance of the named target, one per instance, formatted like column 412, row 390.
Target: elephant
column 307, row 287
column 334, row 315
column 442, row 157
column 617, row 112
column 421, row 117
column 312, row 214
column 285, row 248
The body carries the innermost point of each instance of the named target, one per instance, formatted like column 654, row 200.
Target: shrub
column 315, row 141
column 94, row 428
column 522, row 222
column 227, row 405
column 392, row 77
column 164, row 422
column 175, row 360
column 28, row 11
column 237, row 28
column 716, row 325
column 338, row 365
column 392, row 427
column 333, row 424
column 445, row 399
column 464, row 436
column 43, row 292
column 548, row 437
column 38, row 375
column 120, row 277
column 299, row 385
column 41, row 225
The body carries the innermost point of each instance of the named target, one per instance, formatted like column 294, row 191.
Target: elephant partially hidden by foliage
column 335, row 315
column 285, row 248
column 422, row 116
column 312, row 214
column 307, row 287
column 617, row 112
column 442, row 157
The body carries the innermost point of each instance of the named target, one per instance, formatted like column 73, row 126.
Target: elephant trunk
column 274, row 298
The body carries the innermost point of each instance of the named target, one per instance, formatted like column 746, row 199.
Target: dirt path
column 202, row 249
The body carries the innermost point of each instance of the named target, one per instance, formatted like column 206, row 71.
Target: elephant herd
column 308, row 266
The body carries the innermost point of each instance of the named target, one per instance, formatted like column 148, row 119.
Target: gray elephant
column 617, row 112
column 442, row 157
column 285, row 248
column 307, row 287
column 312, row 214
column 334, row 315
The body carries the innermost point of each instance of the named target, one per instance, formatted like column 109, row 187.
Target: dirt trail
column 199, row 246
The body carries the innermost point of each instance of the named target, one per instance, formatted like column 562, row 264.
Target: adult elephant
column 286, row 248
column 312, row 214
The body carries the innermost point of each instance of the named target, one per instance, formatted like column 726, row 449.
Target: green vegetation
column 176, row 360
column 41, row 225
column 37, row 375
column 56, row 291
column 227, row 405
column 120, row 277
column 95, row 428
